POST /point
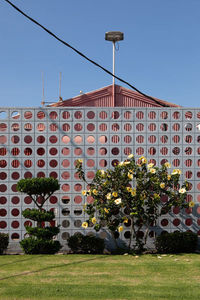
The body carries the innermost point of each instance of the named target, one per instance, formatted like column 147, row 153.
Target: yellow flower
column 102, row 172
column 144, row 160
column 95, row 192
column 130, row 156
column 84, row 192
column 129, row 189
column 127, row 162
column 118, row 201
column 125, row 220
column 149, row 166
column 115, row 194
column 108, row 196
column 106, row 210
column 94, row 220
column 120, row 228
column 152, row 170
column 156, row 196
column 182, row 191
column 162, row 185
column 176, row 171
column 168, row 177
column 133, row 193
column 84, row 225
column 130, row 176
column 121, row 163
column 80, row 161
column 167, row 165
column 191, row 204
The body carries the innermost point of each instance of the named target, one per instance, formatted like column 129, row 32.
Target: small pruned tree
column 132, row 193
column 40, row 240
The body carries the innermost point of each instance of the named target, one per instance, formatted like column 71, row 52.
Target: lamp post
column 114, row 36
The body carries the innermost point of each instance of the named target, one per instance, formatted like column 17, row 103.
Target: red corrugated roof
column 123, row 98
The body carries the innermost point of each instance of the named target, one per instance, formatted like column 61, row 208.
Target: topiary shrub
column 40, row 240
column 4, row 241
column 87, row 244
column 177, row 242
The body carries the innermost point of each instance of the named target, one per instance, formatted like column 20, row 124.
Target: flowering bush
column 132, row 193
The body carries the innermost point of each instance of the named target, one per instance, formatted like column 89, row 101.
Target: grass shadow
column 52, row 267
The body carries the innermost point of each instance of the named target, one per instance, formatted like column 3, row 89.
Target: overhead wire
column 81, row 54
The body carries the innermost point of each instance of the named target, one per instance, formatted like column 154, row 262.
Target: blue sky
column 160, row 54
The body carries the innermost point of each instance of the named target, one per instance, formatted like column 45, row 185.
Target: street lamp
column 114, row 36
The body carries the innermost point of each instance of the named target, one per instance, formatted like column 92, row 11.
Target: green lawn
column 100, row 277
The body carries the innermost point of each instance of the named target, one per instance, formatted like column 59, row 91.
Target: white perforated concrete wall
column 46, row 142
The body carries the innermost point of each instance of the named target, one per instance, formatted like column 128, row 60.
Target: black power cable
column 81, row 54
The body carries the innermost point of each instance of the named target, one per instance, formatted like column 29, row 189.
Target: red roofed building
column 113, row 96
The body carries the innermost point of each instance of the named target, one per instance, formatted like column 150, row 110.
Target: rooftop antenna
column 60, row 98
column 43, row 102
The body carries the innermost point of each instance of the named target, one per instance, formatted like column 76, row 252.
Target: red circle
column 78, row 115
column 77, row 187
column 66, row 187
column 3, row 212
column 15, row 236
column 3, row 175
column 40, row 163
column 15, row 139
column 53, row 151
column 65, row 163
column 90, row 199
column 28, row 163
column 15, row 175
column 40, row 151
column 53, row 199
column 15, row 212
column 53, row 139
column 14, row 187
column 66, row 115
column 90, row 115
column 66, row 151
column 90, row 127
column 28, row 139
column 28, row 175
column 77, row 199
column 188, row 222
column 176, row 222
column 27, row 200
column 90, row 163
column 65, row 175
column 40, row 139
column 53, row 115
column 40, row 174
column 3, row 188
column 3, row 224
column 53, row 163
column 3, row 200
column 164, row 222
column 15, row 224
column 53, row 175
column 103, row 163
column 15, row 163
column 3, row 139
column 78, row 127
column 15, row 200
column 90, row 175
